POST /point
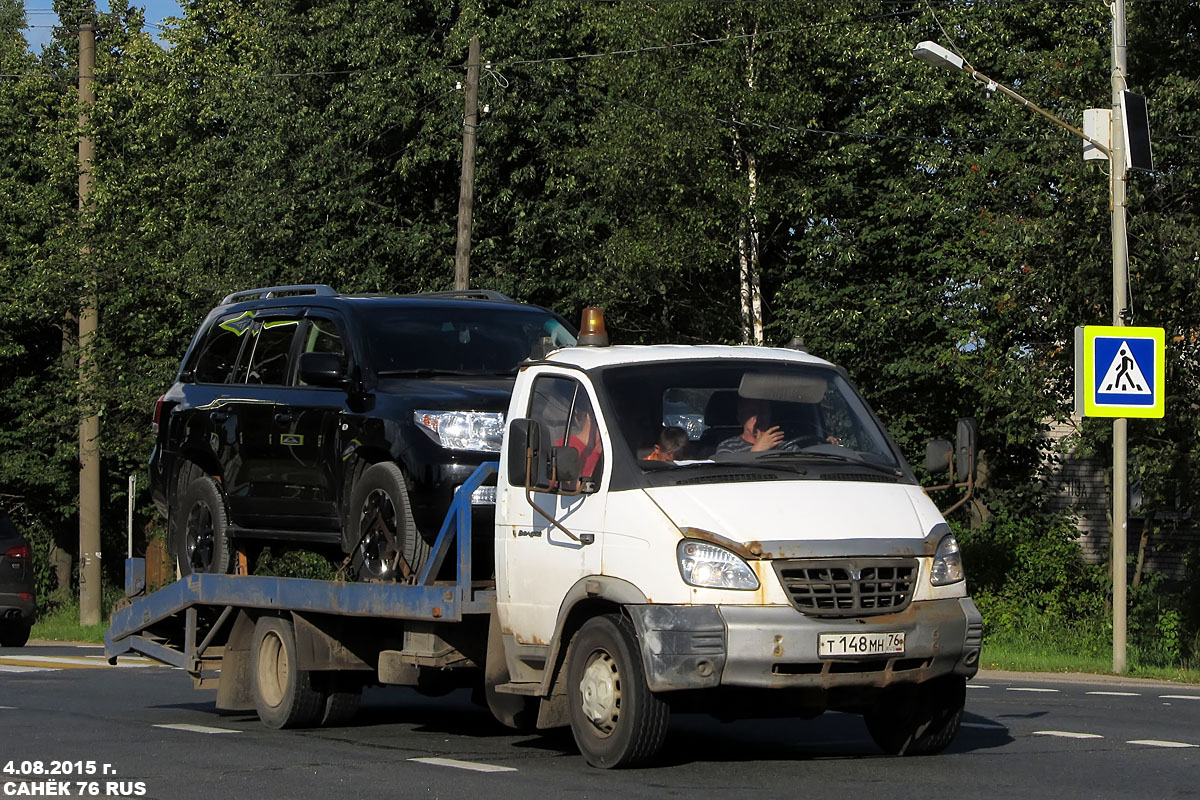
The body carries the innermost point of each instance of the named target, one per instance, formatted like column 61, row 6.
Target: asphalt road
column 1026, row 736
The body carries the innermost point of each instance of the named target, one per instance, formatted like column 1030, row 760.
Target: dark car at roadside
column 18, row 603
column 305, row 418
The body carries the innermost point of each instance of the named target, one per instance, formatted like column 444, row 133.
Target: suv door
column 256, row 478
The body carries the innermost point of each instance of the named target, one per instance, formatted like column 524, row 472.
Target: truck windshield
column 426, row 341
column 675, row 414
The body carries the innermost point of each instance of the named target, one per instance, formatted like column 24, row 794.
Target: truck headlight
column 463, row 430
column 947, row 563
column 714, row 567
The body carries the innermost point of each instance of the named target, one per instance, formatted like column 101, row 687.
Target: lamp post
column 935, row 54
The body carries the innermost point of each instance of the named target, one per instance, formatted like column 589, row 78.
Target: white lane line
column 983, row 726
column 977, row 686
column 8, row 708
column 1068, row 734
column 1029, row 689
column 1117, row 694
column 1179, row 696
column 15, row 668
column 1160, row 743
column 196, row 728
column 471, row 765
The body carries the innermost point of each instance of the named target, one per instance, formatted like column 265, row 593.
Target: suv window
column 460, row 340
column 218, row 353
column 267, row 360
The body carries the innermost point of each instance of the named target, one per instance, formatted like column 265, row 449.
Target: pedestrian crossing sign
column 1120, row 372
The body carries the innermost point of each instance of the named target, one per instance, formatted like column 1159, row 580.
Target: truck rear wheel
column 615, row 718
column 284, row 695
column 920, row 720
column 201, row 540
column 386, row 543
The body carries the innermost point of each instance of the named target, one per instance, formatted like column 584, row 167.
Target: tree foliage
column 647, row 157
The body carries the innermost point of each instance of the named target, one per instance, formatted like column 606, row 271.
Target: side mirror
column 965, row 444
column 525, row 439
column 937, row 456
column 322, row 369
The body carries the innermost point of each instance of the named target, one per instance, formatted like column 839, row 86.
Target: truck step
column 529, row 689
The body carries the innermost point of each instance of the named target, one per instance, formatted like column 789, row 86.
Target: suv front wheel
column 201, row 541
column 384, row 542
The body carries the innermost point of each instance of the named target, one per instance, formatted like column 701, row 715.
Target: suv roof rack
column 466, row 294
column 318, row 289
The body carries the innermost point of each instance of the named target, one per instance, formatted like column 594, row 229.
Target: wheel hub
column 600, row 691
column 378, row 538
column 200, row 537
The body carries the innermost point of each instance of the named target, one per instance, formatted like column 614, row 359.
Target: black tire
column 343, row 695
column 615, row 718
column 200, row 539
column 14, row 634
column 381, row 527
column 285, row 696
column 921, row 720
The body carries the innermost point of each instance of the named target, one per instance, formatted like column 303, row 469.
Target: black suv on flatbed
column 314, row 419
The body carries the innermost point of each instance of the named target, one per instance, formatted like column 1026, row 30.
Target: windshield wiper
column 732, row 465
column 851, row 458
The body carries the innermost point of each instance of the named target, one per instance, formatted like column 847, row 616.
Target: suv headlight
column 947, row 563
column 714, row 567
column 463, row 430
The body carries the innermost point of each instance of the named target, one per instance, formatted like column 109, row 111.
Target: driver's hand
column 767, row 440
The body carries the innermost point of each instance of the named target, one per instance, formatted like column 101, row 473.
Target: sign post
column 1120, row 372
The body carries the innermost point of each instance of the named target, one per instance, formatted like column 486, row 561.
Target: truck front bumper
column 775, row 647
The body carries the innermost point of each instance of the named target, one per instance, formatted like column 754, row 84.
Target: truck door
column 540, row 561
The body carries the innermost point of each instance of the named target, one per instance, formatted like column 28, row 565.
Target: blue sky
column 39, row 14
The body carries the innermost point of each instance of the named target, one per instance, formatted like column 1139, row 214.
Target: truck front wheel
column 615, row 718
column 920, row 720
column 284, row 694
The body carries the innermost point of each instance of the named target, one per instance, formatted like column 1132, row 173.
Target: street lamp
column 933, row 53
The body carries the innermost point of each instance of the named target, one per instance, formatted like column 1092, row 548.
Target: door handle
column 284, row 418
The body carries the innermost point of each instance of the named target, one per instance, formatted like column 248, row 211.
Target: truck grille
column 854, row 587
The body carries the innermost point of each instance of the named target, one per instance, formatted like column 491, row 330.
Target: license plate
column 831, row 645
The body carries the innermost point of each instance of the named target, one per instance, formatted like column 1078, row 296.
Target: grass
column 62, row 625
column 1030, row 654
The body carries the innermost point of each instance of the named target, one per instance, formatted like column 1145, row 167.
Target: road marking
column 5, row 667
column 471, row 765
column 1029, row 689
column 1179, row 696
column 1117, row 694
column 1160, row 743
column 977, row 686
column 8, row 708
column 196, row 728
column 983, row 726
column 1068, row 734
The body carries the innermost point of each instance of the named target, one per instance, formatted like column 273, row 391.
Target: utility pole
column 466, row 191
column 1120, row 277
column 89, row 425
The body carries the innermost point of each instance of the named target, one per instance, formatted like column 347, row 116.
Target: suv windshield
column 411, row 340
column 676, row 413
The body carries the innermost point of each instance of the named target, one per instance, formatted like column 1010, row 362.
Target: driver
column 758, row 435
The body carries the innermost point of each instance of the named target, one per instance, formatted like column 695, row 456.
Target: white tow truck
column 783, row 562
